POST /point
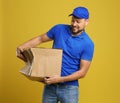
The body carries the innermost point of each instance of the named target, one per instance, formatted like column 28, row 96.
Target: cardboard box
column 42, row 63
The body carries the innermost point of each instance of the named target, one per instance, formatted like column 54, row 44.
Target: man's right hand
column 19, row 54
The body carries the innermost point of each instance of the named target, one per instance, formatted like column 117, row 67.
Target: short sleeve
column 51, row 33
column 88, row 52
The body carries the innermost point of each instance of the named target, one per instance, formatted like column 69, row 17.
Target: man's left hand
column 53, row 79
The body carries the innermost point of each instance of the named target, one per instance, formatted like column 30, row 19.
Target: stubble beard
column 76, row 32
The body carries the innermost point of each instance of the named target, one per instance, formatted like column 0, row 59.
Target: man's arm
column 31, row 43
column 84, row 66
column 80, row 73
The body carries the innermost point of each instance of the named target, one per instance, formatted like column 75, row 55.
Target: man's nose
column 74, row 23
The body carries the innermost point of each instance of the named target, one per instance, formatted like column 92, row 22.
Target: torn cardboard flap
column 42, row 63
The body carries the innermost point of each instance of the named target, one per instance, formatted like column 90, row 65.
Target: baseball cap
column 80, row 12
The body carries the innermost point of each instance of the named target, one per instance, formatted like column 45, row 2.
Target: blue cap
column 80, row 12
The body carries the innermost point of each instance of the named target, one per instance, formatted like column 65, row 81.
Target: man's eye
column 78, row 22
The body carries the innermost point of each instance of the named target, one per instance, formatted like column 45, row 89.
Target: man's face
column 78, row 25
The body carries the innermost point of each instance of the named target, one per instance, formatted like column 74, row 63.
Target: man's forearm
column 57, row 79
column 75, row 76
column 29, row 44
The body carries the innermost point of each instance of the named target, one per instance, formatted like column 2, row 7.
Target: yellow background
column 21, row 20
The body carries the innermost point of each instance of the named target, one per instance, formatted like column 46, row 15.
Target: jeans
column 60, row 92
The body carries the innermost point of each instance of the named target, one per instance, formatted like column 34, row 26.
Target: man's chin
column 76, row 32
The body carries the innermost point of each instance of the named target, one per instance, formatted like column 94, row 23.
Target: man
column 78, row 51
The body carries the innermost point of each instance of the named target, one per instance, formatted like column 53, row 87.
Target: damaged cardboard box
column 41, row 63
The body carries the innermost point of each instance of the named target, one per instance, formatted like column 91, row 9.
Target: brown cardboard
column 42, row 63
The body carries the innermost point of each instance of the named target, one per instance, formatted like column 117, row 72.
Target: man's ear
column 87, row 21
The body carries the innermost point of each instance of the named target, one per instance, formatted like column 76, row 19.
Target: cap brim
column 70, row 15
column 74, row 16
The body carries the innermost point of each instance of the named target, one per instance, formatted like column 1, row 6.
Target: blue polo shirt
column 74, row 49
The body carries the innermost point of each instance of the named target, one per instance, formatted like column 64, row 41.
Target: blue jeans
column 60, row 92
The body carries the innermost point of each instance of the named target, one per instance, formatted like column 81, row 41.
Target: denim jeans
column 60, row 92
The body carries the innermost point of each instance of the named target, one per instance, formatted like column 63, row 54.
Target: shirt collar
column 82, row 35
